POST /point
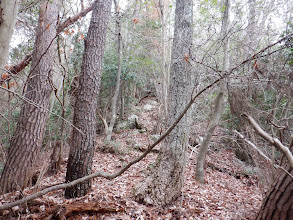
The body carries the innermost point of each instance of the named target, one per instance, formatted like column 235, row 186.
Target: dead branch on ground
column 118, row 173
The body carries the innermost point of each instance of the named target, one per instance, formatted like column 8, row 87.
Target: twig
column 27, row 59
column 273, row 141
column 261, row 153
column 40, row 107
column 114, row 175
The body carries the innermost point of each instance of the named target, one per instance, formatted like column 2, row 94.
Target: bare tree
column 217, row 108
column 82, row 145
column 28, row 136
column 109, row 128
column 164, row 183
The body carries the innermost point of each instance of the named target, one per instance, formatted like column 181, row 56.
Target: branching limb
column 261, row 153
column 114, row 175
column 27, row 59
column 273, row 141
column 73, row 19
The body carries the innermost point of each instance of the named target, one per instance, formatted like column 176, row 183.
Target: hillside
column 229, row 193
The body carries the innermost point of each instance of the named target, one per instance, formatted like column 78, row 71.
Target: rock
column 130, row 141
column 130, row 123
column 137, row 146
column 152, row 102
column 147, row 107
column 121, row 126
column 132, row 118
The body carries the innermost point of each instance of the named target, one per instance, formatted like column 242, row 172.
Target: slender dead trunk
column 214, row 121
column 28, row 136
column 82, row 145
column 56, row 156
column 217, row 108
column 117, row 88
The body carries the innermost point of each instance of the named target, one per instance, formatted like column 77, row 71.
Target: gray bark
column 217, row 108
column 165, row 182
column 251, row 37
column 8, row 15
column 117, row 88
column 165, row 77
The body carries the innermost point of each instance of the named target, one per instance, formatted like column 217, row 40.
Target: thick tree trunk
column 82, row 145
column 8, row 15
column 165, row 182
column 278, row 203
column 217, row 108
column 29, row 133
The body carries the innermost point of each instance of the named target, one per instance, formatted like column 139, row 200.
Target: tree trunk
column 8, row 15
column 278, row 203
column 215, row 118
column 117, row 88
column 28, row 136
column 82, row 145
column 217, row 108
column 165, row 182
column 165, row 77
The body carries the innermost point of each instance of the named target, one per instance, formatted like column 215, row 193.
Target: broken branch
column 273, row 141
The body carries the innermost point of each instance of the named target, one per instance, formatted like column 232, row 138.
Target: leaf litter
column 223, row 196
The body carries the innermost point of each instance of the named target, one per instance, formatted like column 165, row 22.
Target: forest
column 146, row 109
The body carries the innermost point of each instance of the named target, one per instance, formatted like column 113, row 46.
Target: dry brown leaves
column 222, row 197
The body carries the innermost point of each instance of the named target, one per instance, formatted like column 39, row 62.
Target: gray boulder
column 129, row 123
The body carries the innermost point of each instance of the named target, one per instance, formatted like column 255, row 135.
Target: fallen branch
column 261, row 153
column 273, row 141
column 114, row 175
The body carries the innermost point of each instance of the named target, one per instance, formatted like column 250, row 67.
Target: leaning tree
column 28, row 136
column 82, row 141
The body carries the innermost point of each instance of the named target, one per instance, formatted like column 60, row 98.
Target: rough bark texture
column 28, row 58
column 82, row 146
column 279, row 201
column 28, row 136
column 164, row 183
column 8, row 14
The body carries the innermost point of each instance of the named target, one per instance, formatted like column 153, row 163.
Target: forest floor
column 229, row 192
